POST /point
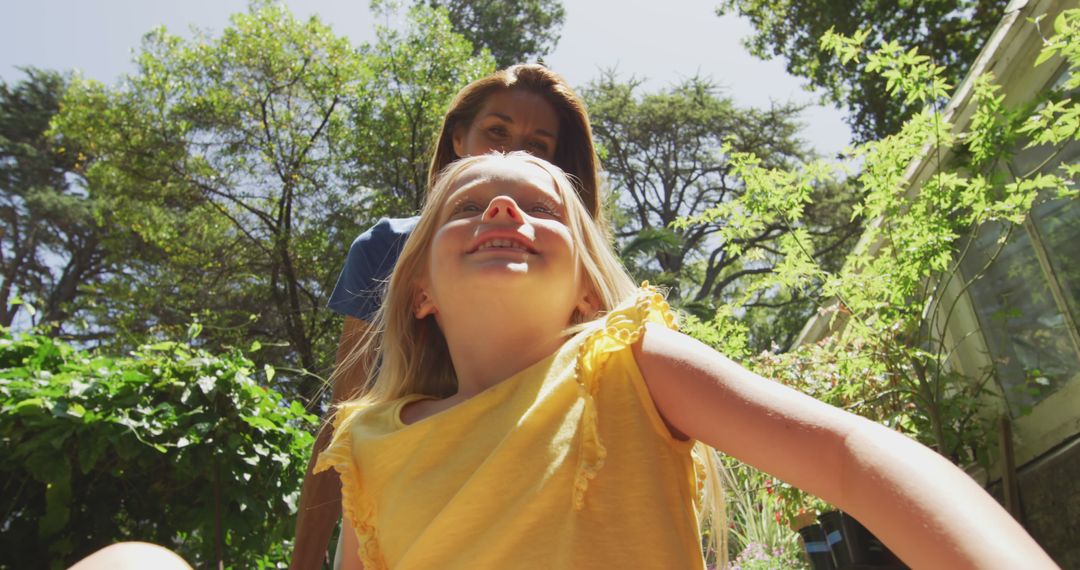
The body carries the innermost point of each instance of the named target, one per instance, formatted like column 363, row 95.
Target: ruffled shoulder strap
column 621, row 328
column 359, row 510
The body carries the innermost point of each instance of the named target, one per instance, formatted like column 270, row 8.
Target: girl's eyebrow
column 458, row 195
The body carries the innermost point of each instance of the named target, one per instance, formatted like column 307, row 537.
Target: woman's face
column 510, row 119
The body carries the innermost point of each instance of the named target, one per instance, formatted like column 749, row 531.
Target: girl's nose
column 502, row 207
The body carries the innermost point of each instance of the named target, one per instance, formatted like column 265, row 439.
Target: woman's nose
column 502, row 207
column 515, row 143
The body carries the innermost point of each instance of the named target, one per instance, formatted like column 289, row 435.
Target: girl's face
column 503, row 229
column 511, row 119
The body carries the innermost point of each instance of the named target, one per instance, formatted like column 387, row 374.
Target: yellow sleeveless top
column 566, row 464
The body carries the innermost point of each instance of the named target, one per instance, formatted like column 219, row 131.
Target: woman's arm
column 929, row 512
column 320, row 495
column 350, row 549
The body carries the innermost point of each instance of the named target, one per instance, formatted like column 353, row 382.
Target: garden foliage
column 169, row 444
column 663, row 154
column 885, row 353
column 233, row 170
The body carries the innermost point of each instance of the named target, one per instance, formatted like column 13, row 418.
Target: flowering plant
column 760, row 535
column 757, row 556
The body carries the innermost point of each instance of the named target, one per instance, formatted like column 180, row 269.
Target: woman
column 523, row 107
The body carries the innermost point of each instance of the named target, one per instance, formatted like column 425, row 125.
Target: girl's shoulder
column 361, row 419
column 624, row 325
column 375, row 416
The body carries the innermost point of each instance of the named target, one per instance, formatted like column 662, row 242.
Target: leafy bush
column 885, row 352
column 170, row 444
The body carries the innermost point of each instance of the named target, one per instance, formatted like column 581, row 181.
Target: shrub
column 169, row 444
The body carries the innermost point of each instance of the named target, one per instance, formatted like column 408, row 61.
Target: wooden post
column 1010, row 487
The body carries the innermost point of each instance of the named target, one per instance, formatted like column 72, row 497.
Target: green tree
column 51, row 243
column 219, row 154
column 244, row 165
column 667, row 158
column 514, row 31
column 951, row 33
column 415, row 73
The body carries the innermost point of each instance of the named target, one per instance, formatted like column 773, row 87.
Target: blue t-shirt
column 359, row 290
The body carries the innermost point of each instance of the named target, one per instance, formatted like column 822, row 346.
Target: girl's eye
column 497, row 131
column 465, row 208
column 543, row 209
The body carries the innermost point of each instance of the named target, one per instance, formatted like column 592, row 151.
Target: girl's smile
column 498, row 242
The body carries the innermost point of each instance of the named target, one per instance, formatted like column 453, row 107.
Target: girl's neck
column 491, row 344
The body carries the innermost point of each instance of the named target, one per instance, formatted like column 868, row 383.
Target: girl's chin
column 504, row 266
column 499, row 279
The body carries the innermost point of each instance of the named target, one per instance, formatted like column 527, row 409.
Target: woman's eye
column 497, row 131
column 539, row 147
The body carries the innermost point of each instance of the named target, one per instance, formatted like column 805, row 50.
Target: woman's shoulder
column 371, row 257
column 386, row 231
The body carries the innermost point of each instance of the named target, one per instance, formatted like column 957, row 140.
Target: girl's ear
column 588, row 306
column 423, row 304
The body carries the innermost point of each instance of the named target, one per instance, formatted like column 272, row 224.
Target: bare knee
column 130, row 556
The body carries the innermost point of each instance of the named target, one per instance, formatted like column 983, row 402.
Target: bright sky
column 661, row 41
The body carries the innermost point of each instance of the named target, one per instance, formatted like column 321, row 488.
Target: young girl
column 534, row 409
column 523, row 107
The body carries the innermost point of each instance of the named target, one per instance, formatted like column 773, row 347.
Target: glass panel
column 1058, row 225
column 1024, row 330
column 1058, row 222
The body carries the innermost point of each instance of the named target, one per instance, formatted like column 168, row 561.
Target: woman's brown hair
column 574, row 152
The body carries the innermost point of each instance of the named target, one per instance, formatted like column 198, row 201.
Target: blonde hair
column 412, row 354
column 574, row 151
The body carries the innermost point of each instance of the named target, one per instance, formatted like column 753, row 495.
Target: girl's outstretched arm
column 929, row 512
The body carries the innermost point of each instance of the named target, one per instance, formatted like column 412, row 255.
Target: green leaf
column 90, row 452
column 57, row 504
column 30, row 406
column 259, row 422
column 30, row 309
